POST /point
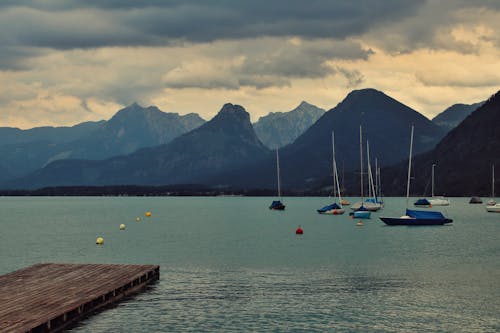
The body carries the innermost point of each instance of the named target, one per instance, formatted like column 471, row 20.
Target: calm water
column 230, row 264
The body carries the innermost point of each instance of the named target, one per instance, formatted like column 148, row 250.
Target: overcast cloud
column 63, row 62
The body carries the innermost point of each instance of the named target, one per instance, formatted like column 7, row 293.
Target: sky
column 66, row 62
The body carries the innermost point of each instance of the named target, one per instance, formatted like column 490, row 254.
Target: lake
column 231, row 264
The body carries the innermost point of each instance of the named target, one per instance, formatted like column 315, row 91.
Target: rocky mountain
column 129, row 129
column 227, row 142
column 463, row 158
column 452, row 116
column 278, row 129
column 132, row 128
column 306, row 163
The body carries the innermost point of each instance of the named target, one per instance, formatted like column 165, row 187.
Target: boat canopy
column 361, row 209
column 330, row 207
column 276, row 203
column 422, row 202
column 418, row 214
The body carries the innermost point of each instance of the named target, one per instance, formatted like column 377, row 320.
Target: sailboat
column 371, row 203
column 360, row 212
column 416, row 217
column 492, row 206
column 334, row 208
column 277, row 204
column 437, row 201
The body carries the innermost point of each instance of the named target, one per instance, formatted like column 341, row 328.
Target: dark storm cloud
column 84, row 24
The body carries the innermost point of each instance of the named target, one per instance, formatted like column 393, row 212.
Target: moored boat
column 491, row 203
column 475, row 200
column 424, row 203
column 434, row 200
column 360, row 212
column 415, row 217
column 334, row 208
column 493, row 208
column 277, row 204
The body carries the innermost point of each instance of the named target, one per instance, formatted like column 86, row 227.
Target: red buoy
column 299, row 231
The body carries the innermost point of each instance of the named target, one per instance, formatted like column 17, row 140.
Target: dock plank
column 48, row 297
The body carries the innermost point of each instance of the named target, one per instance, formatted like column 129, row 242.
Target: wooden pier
column 51, row 297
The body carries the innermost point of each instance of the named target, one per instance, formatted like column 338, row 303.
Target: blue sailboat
column 334, row 208
column 277, row 204
column 416, row 217
column 362, row 212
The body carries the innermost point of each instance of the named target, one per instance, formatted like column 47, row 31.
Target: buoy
column 137, row 219
column 148, row 214
column 360, row 223
column 99, row 241
column 299, row 231
column 122, row 226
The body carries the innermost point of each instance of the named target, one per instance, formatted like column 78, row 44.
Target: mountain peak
column 233, row 109
column 232, row 112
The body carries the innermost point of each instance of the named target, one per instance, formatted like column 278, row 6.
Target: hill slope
column 463, row 158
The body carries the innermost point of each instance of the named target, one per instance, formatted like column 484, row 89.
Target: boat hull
column 439, row 202
column 332, row 212
column 372, row 207
column 413, row 221
column 361, row 214
column 277, row 205
column 493, row 209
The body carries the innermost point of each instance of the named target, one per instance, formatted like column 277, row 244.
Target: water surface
column 231, row 264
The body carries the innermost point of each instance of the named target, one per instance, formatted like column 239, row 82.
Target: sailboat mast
column 278, row 172
column 333, row 165
column 432, row 187
column 409, row 169
column 335, row 173
column 492, row 180
column 361, row 161
column 376, row 179
column 371, row 187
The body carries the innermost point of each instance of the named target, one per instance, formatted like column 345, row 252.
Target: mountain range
column 278, row 129
column 226, row 152
column 227, row 142
column 129, row 129
column 306, row 164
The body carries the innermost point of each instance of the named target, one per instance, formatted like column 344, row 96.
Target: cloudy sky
column 65, row 62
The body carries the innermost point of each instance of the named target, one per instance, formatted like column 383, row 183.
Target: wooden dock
column 51, row 297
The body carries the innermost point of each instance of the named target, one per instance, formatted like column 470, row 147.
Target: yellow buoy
column 99, row 241
column 148, row 214
column 122, row 226
column 138, row 219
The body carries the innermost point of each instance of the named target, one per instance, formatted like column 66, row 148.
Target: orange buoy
column 299, row 231
column 359, row 223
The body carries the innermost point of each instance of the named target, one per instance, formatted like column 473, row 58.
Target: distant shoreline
column 172, row 190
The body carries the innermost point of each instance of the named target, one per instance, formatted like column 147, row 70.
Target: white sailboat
column 437, row 201
column 492, row 206
column 334, row 208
